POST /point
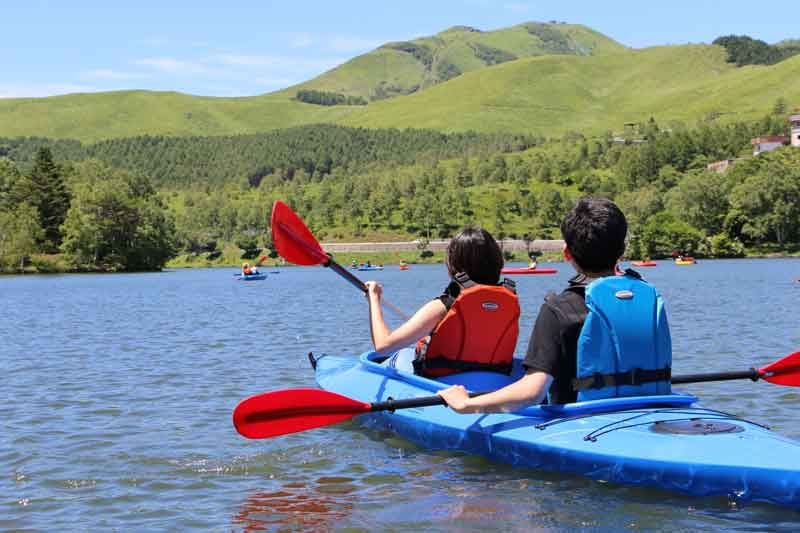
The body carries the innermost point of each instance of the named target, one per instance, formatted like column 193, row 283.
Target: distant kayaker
column 474, row 296
column 594, row 233
column 246, row 270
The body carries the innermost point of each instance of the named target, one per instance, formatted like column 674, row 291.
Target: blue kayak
column 251, row 277
column 665, row 441
column 369, row 268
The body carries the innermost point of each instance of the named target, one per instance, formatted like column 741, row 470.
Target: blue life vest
column 624, row 348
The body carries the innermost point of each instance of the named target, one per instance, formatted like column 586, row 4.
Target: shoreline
column 344, row 258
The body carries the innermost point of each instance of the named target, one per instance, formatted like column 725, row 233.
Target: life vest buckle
column 598, row 381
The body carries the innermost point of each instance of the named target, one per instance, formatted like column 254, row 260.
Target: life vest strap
column 462, row 278
column 422, row 365
column 635, row 376
column 509, row 284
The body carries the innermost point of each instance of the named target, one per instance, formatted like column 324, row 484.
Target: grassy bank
column 231, row 258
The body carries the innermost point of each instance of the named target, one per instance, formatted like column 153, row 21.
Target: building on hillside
column 629, row 135
column 794, row 121
column 767, row 143
column 721, row 166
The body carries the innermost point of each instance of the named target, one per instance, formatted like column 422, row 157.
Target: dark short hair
column 475, row 252
column 594, row 231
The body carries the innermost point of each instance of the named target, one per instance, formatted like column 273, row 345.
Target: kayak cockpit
column 489, row 381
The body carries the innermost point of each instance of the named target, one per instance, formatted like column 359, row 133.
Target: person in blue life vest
column 472, row 325
column 604, row 336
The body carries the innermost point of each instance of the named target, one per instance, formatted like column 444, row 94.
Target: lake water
column 118, row 392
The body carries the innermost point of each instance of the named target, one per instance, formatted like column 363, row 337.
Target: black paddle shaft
column 719, row 376
column 339, row 269
column 391, row 404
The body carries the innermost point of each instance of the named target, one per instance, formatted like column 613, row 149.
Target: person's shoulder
column 567, row 307
column 573, row 293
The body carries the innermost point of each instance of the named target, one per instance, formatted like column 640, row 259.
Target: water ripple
column 121, row 389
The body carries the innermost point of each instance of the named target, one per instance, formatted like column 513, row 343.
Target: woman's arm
column 530, row 389
column 419, row 325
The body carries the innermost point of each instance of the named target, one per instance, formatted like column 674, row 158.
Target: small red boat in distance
column 520, row 271
column 644, row 263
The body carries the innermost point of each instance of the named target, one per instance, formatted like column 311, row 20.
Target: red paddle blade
column 292, row 410
column 292, row 238
column 785, row 371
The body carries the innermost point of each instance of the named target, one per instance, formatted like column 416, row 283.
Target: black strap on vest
column 462, row 281
column 420, row 366
column 509, row 284
column 635, row 376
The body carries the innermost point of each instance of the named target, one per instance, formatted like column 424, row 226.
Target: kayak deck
column 617, row 440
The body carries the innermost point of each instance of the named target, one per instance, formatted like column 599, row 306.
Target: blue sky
column 240, row 48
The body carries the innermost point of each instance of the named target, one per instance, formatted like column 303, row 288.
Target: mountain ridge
column 543, row 95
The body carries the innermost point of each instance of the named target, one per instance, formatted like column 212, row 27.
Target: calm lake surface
column 118, row 392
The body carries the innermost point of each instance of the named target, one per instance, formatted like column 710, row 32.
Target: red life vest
column 479, row 332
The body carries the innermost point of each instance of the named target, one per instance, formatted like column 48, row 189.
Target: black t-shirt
column 553, row 347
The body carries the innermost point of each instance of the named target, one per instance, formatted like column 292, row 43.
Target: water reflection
column 296, row 507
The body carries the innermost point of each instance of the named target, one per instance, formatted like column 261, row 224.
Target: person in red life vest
column 473, row 325
column 594, row 233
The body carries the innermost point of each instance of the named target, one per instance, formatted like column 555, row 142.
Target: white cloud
column 175, row 66
column 517, row 7
column 21, row 90
column 108, row 74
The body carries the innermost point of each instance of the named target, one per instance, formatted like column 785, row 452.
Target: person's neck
column 597, row 275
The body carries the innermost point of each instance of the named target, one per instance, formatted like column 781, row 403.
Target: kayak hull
column 684, row 263
column 252, row 277
column 611, row 440
column 644, row 263
column 521, row 271
column 369, row 269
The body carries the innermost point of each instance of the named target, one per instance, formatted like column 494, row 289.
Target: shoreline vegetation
column 57, row 263
column 76, row 214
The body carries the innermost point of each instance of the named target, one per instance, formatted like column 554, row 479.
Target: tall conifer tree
column 44, row 188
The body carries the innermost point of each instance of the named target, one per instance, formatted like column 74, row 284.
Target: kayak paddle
column 275, row 413
column 784, row 371
column 295, row 243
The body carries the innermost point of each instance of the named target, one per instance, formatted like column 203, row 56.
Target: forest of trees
column 328, row 98
column 100, row 217
column 744, row 50
column 179, row 162
column 101, row 209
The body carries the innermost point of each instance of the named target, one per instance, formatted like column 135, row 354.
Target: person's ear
column 567, row 253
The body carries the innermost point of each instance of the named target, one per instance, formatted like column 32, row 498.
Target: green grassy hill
column 406, row 67
column 98, row 116
column 547, row 95
column 553, row 94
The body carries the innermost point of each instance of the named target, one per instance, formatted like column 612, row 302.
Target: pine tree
column 44, row 188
